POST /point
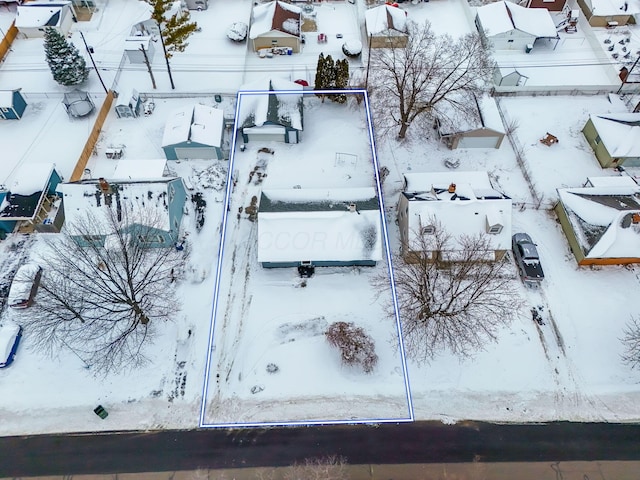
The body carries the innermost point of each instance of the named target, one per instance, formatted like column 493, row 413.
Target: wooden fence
column 87, row 151
column 8, row 39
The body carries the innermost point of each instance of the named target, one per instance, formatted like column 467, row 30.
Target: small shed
column 136, row 47
column 30, row 196
column 318, row 227
column 509, row 77
column 478, row 126
column 271, row 110
column 78, row 103
column 276, row 24
column 386, row 26
column 33, row 18
column 12, row 104
column 129, row 105
column 194, row 132
column 615, row 138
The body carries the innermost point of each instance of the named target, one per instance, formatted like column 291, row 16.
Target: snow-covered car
column 24, row 286
column 238, row 31
column 527, row 259
column 10, row 335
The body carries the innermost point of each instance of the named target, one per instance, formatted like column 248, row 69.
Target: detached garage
column 194, row 132
column 271, row 111
column 476, row 126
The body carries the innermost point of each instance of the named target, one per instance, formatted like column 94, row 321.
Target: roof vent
column 452, row 188
column 352, row 207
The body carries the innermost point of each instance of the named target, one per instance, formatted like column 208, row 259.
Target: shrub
column 355, row 345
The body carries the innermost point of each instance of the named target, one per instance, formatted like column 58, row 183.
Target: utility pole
column 146, row 61
column 94, row 63
column 166, row 58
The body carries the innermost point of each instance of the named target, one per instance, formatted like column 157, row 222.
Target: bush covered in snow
column 352, row 48
column 355, row 345
column 238, row 32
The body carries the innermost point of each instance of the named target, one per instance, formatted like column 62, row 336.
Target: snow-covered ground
column 567, row 369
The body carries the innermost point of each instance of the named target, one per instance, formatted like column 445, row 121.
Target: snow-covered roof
column 39, row 14
column 140, row 199
column 463, row 212
column 501, row 17
column 27, row 186
column 317, row 225
column 196, row 123
column 280, row 16
column 607, row 8
column 612, row 181
column 6, row 98
column 453, row 120
column 619, row 132
column 277, row 108
column 602, row 219
column 139, row 169
column 386, row 19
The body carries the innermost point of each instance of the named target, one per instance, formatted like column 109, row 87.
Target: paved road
column 420, row 442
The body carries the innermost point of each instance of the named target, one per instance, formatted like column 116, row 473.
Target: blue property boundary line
column 216, row 296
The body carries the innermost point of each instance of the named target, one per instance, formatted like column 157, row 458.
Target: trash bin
column 528, row 48
column 101, row 412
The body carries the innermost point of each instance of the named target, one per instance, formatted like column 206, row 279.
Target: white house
column 461, row 203
column 319, row 227
column 508, row 26
column 32, row 18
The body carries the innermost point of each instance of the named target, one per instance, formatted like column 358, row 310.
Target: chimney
column 104, row 185
column 635, row 218
column 352, row 207
column 452, row 188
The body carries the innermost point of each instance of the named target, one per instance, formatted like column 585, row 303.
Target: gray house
column 149, row 210
column 194, row 132
column 317, row 227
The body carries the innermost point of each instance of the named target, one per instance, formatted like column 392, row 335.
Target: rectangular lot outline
column 387, row 249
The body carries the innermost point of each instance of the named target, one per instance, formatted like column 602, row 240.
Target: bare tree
column 408, row 82
column 631, row 341
column 451, row 295
column 104, row 302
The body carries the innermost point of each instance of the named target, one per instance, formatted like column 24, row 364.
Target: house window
column 428, row 230
column 510, row 40
column 495, row 229
column 597, row 140
column 4, row 110
column 150, row 239
column 92, row 238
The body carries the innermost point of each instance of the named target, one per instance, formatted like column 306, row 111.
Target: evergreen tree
column 342, row 80
column 330, row 72
column 66, row 64
column 175, row 28
column 319, row 83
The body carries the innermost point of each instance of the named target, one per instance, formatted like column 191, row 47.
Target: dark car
column 10, row 335
column 24, row 286
column 527, row 259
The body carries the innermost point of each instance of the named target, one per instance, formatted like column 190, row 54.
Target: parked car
column 10, row 335
column 527, row 259
column 24, row 286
